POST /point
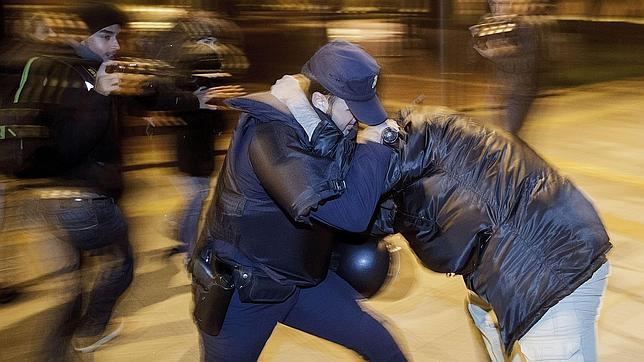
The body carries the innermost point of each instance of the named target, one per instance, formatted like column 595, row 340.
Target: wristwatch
column 389, row 136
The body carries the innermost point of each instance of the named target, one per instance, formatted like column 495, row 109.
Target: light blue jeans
column 189, row 224
column 567, row 332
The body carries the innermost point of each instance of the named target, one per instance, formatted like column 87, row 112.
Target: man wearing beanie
column 284, row 187
column 81, row 162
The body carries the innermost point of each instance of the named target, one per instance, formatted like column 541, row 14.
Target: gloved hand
column 290, row 89
column 374, row 133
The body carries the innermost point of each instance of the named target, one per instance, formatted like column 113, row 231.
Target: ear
column 320, row 102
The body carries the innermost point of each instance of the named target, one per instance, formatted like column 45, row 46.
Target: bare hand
column 290, row 88
column 106, row 83
column 209, row 95
column 496, row 49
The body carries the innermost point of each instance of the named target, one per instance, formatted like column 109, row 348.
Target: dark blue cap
column 349, row 72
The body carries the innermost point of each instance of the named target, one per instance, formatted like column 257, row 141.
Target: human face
column 340, row 114
column 104, row 43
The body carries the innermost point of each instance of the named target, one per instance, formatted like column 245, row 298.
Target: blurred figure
column 79, row 157
column 195, row 159
column 8, row 292
column 512, row 37
column 30, row 36
column 194, row 46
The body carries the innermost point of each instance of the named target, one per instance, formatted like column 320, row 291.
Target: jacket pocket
column 554, row 338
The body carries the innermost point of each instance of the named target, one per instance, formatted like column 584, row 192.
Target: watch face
column 389, row 135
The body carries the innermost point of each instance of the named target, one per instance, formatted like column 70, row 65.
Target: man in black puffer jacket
column 478, row 202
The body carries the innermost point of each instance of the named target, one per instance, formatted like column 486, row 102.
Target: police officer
column 281, row 189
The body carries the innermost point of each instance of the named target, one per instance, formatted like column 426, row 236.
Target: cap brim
column 369, row 112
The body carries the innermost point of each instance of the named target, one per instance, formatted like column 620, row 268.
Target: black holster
column 212, row 289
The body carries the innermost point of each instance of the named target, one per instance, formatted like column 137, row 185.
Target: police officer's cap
column 349, row 72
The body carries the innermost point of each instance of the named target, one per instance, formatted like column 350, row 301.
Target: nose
column 115, row 45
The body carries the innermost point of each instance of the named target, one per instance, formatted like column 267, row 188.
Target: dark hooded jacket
column 84, row 149
column 272, row 178
column 476, row 201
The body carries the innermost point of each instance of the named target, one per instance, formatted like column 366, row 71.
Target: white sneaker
column 92, row 343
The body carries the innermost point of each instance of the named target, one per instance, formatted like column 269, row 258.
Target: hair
column 314, row 86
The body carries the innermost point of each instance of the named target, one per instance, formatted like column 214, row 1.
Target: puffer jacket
column 476, row 201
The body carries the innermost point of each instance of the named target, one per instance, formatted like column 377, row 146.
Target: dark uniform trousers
column 328, row 310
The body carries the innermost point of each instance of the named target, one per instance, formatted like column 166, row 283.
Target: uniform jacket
column 476, row 201
column 272, row 178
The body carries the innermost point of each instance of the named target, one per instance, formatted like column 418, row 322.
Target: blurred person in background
column 517, row 53
column 28, row 35
column 285, row 185
column 80, row 161
column 194, row 47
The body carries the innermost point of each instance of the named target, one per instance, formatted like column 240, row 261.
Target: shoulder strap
column 87, row 74
column 23, row 79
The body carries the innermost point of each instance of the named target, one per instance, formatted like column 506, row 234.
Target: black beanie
column 100, row 15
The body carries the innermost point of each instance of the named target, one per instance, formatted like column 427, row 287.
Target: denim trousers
column 328, row 310
column 566, row 332
column 95, row 227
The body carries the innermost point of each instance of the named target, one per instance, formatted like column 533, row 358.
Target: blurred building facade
column 447, row 8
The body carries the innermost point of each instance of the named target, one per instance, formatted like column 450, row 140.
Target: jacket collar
column 85, row 53
column 266, row 107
